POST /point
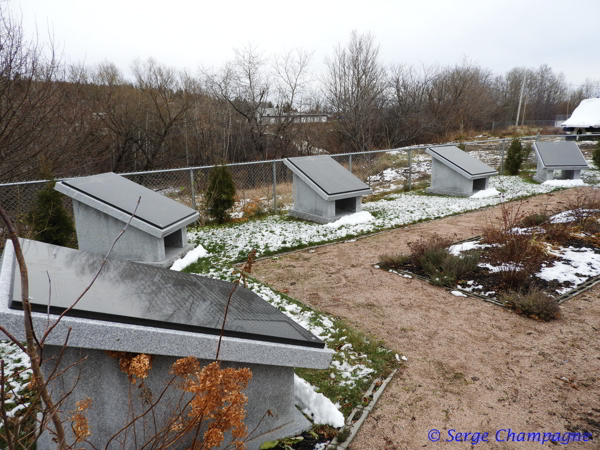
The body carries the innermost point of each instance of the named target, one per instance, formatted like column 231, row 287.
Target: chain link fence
column 264, row 186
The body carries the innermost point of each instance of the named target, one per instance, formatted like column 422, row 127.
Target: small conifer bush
column 515, row 157
column 48, row 219
column 219, row 197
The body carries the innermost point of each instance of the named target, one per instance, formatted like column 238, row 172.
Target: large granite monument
column 138, row 308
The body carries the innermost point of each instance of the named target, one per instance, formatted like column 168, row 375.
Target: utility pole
column 524, row 106
column 520, row 100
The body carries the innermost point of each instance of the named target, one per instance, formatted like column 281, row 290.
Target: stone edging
column 334, row 445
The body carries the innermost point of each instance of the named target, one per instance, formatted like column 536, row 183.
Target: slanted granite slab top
column 328, row 175
column 457, row 159
column 122, row 194
column 560, row 154
column 139, row 294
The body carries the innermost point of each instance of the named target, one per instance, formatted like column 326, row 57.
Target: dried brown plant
column 218, row 398
column 136, row 366
column 424, row 244
column 79, row 422
column 518, row 253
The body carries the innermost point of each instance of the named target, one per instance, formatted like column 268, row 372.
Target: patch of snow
column 316, row 405
column 352, row 219
column 571, row 215
column 578, row 265
column 457, row 249
column 191, row 257
column 501, row 268
column 458, row 294
column 486, row 193
column 387, row 176
column 564, row 183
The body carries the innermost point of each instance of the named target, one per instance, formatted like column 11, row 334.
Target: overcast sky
column 497, row 34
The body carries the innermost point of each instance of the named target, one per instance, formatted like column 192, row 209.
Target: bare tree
column 353, row 89
column 407, row 94
column 167, row 95
column 243, row 84
column 30, row 100
column 292, row 81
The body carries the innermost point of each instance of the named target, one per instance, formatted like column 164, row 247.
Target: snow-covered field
column 278, row 233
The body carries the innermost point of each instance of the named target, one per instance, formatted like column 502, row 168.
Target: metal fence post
column 274, row 187
column 193, row 189
column 502, row 158
column 410, row 170
column 350, row 163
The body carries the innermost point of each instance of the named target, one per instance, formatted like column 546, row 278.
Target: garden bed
column 554, row 256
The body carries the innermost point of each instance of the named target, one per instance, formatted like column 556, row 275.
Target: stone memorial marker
column 455, row 172
column 324, row 190
column 104, row 203
column 139, row 308
column 565, row 157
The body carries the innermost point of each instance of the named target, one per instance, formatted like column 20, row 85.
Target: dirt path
column 472, row 366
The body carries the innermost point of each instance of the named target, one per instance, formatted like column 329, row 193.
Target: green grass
column 382, row 360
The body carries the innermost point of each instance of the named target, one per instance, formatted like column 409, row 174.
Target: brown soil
column 472, row 366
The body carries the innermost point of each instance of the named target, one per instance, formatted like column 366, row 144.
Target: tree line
column 72, row 119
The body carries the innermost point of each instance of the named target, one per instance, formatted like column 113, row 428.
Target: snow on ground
column 16, row 369
column 575, row 267
column 569, row 216
column 466, row 246
column 190, row 258
column 457, row 294
column 351, row 219
column 316, row 405
column 564, row 183
column 491, row 192
column 276, row 233
column 388, row 176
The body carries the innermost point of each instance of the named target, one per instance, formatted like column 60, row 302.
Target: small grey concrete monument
column 139, row 308
column 324, row 190
column 455, row 172
column 104, row 203
column 565, row 157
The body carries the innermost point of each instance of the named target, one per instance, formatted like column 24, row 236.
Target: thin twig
column 12, row 338
column 135, row 419
column 104, row 261
column 29, row 333
column 247, row 268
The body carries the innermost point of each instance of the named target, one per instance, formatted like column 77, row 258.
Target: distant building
column 273, row 116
